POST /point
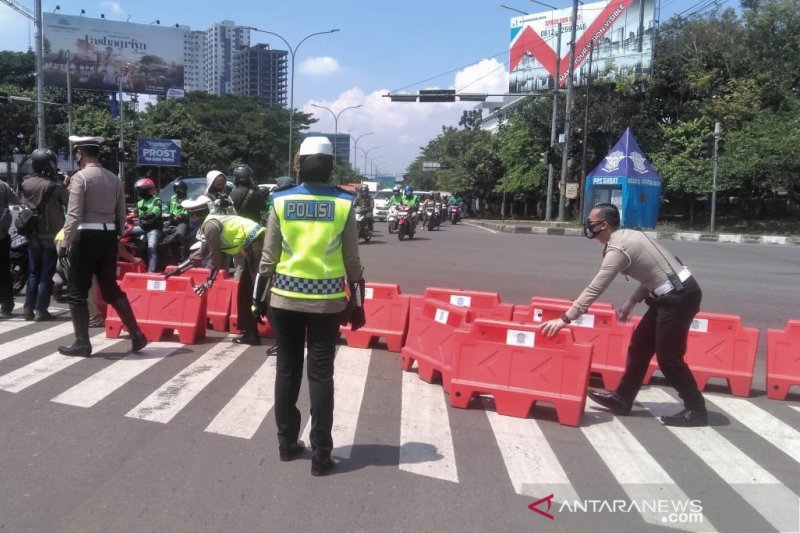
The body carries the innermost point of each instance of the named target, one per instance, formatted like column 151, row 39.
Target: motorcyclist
column 216, row 184
column 178, row 217
column 148, row 209
column 397, row 196
column 411, row 200
column 248, row 200
column 424, row 204
column 365, row 203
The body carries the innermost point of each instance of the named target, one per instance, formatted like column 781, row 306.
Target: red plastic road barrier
column 386, row 310
column 783, row 360
column 519, row 366
column 719, row 347
column 481, row 304
column 218, row 299
column 161, row 306
column 599, row 327
column 430, row 339
column 264, row 328
column 123, row 267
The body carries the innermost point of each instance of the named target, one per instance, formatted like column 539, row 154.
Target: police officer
column 44, row 192
column 148, row 209
column 95, row 218
column 311, row 247
column 232, row 235
column 247, row 198
column 672, row 294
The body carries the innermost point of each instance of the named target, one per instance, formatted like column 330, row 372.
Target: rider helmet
column 396, row 189
column 145, row 184
column 243, row 176
column 409, row 190
column 181, row 186
column 44, row 160
column 363, row 189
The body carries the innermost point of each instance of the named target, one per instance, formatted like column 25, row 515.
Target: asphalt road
column 181, row 438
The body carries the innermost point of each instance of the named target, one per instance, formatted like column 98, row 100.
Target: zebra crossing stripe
column 245, row 412
column 98, row 386
column 426, row 443
column 168, row 400
column 14, row 324
column 775, row 431
column 17, row 346
column 763, row 491
column 531, row 463
column 352, row 366
column 637, row 472
column 30, row 374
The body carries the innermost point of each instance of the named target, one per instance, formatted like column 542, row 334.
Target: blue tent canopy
column 626, row 179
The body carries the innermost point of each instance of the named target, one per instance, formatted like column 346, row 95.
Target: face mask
column 194, row 223
column 588, row 232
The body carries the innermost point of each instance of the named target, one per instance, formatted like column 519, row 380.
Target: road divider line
column 30, row 374
column 352, row 367
column 169, row 399
column 480, row 227
column 763, row 491
column 245, row 412
column 100, row 385
column 426, row 443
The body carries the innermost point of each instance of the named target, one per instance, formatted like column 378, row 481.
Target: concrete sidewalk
column 543, row 228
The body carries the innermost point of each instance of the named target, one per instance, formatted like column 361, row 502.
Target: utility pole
column 40, row 131
column 585, row 138
column 551, row 170
column 568, row 116
column 717, row 137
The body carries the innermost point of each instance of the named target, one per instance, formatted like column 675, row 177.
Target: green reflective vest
column 312, row 218
column 237, row 232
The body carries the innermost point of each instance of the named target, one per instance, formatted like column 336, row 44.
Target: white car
column 381, row 210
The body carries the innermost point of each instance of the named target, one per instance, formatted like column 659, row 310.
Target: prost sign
column 159, row 152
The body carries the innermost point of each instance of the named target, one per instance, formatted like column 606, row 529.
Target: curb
column 780, row 240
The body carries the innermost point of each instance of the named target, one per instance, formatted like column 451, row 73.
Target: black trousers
column 244, row 293
column 663, row 330
column 291, row 329
column 94, row 253
column 6, row 290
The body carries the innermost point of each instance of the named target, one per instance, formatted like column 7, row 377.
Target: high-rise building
column 260, row 71
column 194, row 51
column 223, row 40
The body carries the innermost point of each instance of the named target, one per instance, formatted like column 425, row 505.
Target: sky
column 381, row 46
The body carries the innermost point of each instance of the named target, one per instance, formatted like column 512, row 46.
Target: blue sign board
column 159, row 152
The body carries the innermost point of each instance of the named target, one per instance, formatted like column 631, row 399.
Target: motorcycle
column 18, row 260
column 405, row 224
column 429, row 217
column 454, row 214
column 364, row 224
column 391, row 219
column 168, row 248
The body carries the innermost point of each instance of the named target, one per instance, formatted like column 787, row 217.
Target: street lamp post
column 355, row 149
column 292, row 52
column 336, row 124
column 366, row 153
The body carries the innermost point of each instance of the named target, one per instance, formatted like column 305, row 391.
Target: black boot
column 80, row 323
column 123, row 308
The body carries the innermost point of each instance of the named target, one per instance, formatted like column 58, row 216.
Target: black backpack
column 27, row 223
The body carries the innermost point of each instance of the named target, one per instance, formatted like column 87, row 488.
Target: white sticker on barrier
column 441, row 316
column 520, row 338
column 369, row 293
column 584, row 321
column 699, row 324
column 538, row 315
column 460, row 301
column 156, row 285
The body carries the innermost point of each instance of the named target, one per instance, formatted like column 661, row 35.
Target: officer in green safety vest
column 233, row 235
column 310, row 250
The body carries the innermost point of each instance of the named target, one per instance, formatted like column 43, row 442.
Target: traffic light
column 120, row 154
column 720, row 146
column 708, row 146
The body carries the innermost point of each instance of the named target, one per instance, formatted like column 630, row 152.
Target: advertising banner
column 145, row 58
column 618, row 33
column 159, row 152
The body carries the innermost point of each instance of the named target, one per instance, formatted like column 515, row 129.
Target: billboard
column 146, row 58
column 619, row 33
column 159, row 152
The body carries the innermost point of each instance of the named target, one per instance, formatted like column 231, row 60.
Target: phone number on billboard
column 552, row 32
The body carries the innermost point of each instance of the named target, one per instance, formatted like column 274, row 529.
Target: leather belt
column 102, row 226
column 667, row 287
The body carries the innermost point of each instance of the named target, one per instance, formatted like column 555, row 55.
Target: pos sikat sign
column 159, row 152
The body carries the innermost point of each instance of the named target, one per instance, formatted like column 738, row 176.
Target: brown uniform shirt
column 634, row 254
column 95, row 195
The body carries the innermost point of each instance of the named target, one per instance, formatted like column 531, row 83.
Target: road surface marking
column 100, row 385
column 480, row 227
column 763, row 491
column 166, row 402
column 352, row 366
column 532, row 465
column 30, row 374
column 243, row 415
column 17, row 346
column 426, row 444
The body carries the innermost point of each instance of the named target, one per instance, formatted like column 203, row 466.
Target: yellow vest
column 312, row 218
column 237, row 232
